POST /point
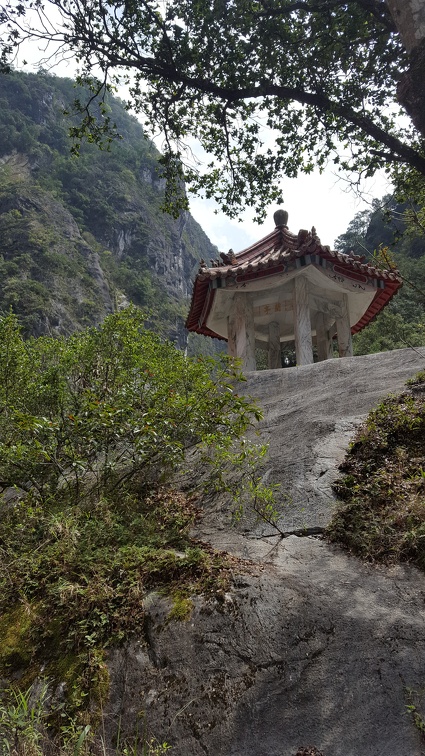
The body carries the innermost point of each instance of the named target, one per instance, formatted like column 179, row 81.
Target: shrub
column 86, row 415
column 93, row 432
column 381, row 516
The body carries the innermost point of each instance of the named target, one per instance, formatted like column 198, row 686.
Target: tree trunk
column 409, row 18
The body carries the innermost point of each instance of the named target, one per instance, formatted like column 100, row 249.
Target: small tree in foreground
column 93, row 432
column 88, row 415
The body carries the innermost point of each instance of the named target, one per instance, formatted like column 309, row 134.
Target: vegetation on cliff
column 391, row 234
column 93, row 430
column 78, row 236
column 382, row 515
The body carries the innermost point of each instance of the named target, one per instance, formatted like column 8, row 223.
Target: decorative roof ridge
column 281, row 243
column 275, row 234
column 231, row 259
column 358, row 262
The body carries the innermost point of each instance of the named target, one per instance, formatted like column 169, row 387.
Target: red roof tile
column 269, row 255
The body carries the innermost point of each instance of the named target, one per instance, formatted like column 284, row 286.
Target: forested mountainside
column 392, row 234
column 80, row 235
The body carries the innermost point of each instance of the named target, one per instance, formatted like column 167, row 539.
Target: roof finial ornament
column 281, row 218
column 228, row 258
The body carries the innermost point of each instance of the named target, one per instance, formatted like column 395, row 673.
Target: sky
column 324, row 200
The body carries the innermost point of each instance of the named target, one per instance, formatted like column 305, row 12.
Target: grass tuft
column 381, row 516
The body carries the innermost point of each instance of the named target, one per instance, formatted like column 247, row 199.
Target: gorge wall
column 82, row 236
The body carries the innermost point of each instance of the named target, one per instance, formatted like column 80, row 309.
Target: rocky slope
column 309, row 647
column 50, row 275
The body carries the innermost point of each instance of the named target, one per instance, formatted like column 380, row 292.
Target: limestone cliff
column 80, row 236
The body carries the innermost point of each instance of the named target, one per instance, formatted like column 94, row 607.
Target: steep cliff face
column 101, row 211
column 50, row 275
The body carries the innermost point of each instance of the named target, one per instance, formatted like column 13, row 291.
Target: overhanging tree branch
column 318, row 72
column 399, row 151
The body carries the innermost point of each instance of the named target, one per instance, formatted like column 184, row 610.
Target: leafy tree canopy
column 391, row 234
column 319, row 76
column 95, row 431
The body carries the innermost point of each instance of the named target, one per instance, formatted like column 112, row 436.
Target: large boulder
column 308, row 650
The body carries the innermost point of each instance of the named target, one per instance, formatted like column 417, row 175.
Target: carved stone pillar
column 274, row 356
column 343, row 330
column 302, row 322
column 241, row 332
column 324, row 345
column 231, row 336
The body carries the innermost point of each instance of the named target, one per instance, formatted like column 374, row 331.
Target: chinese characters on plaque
column 273, row 307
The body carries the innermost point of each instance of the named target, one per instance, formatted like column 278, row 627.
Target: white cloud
column 319, row 200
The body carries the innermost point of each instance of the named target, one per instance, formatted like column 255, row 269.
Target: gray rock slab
column 310, row 415
column 309, row 647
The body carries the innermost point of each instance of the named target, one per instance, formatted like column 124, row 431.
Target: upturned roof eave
column 381, row 299
column 203, row 296
column 200, row 308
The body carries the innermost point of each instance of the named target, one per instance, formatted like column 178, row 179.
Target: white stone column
column 324, row 346
column 302, row 322
column 343, row 330
column 241, row 332
column 274, row 356
column 231, row 336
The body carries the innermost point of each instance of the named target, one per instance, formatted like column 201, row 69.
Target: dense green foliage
column 63, row 272
column 89, row 413
column 382, row 515
column 47, row 276
column 94, row 430
column 319, row 75
column 387, row 237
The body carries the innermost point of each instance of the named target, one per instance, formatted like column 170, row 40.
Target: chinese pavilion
column 288, row 287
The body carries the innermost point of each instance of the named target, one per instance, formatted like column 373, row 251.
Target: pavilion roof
column 267, row 256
